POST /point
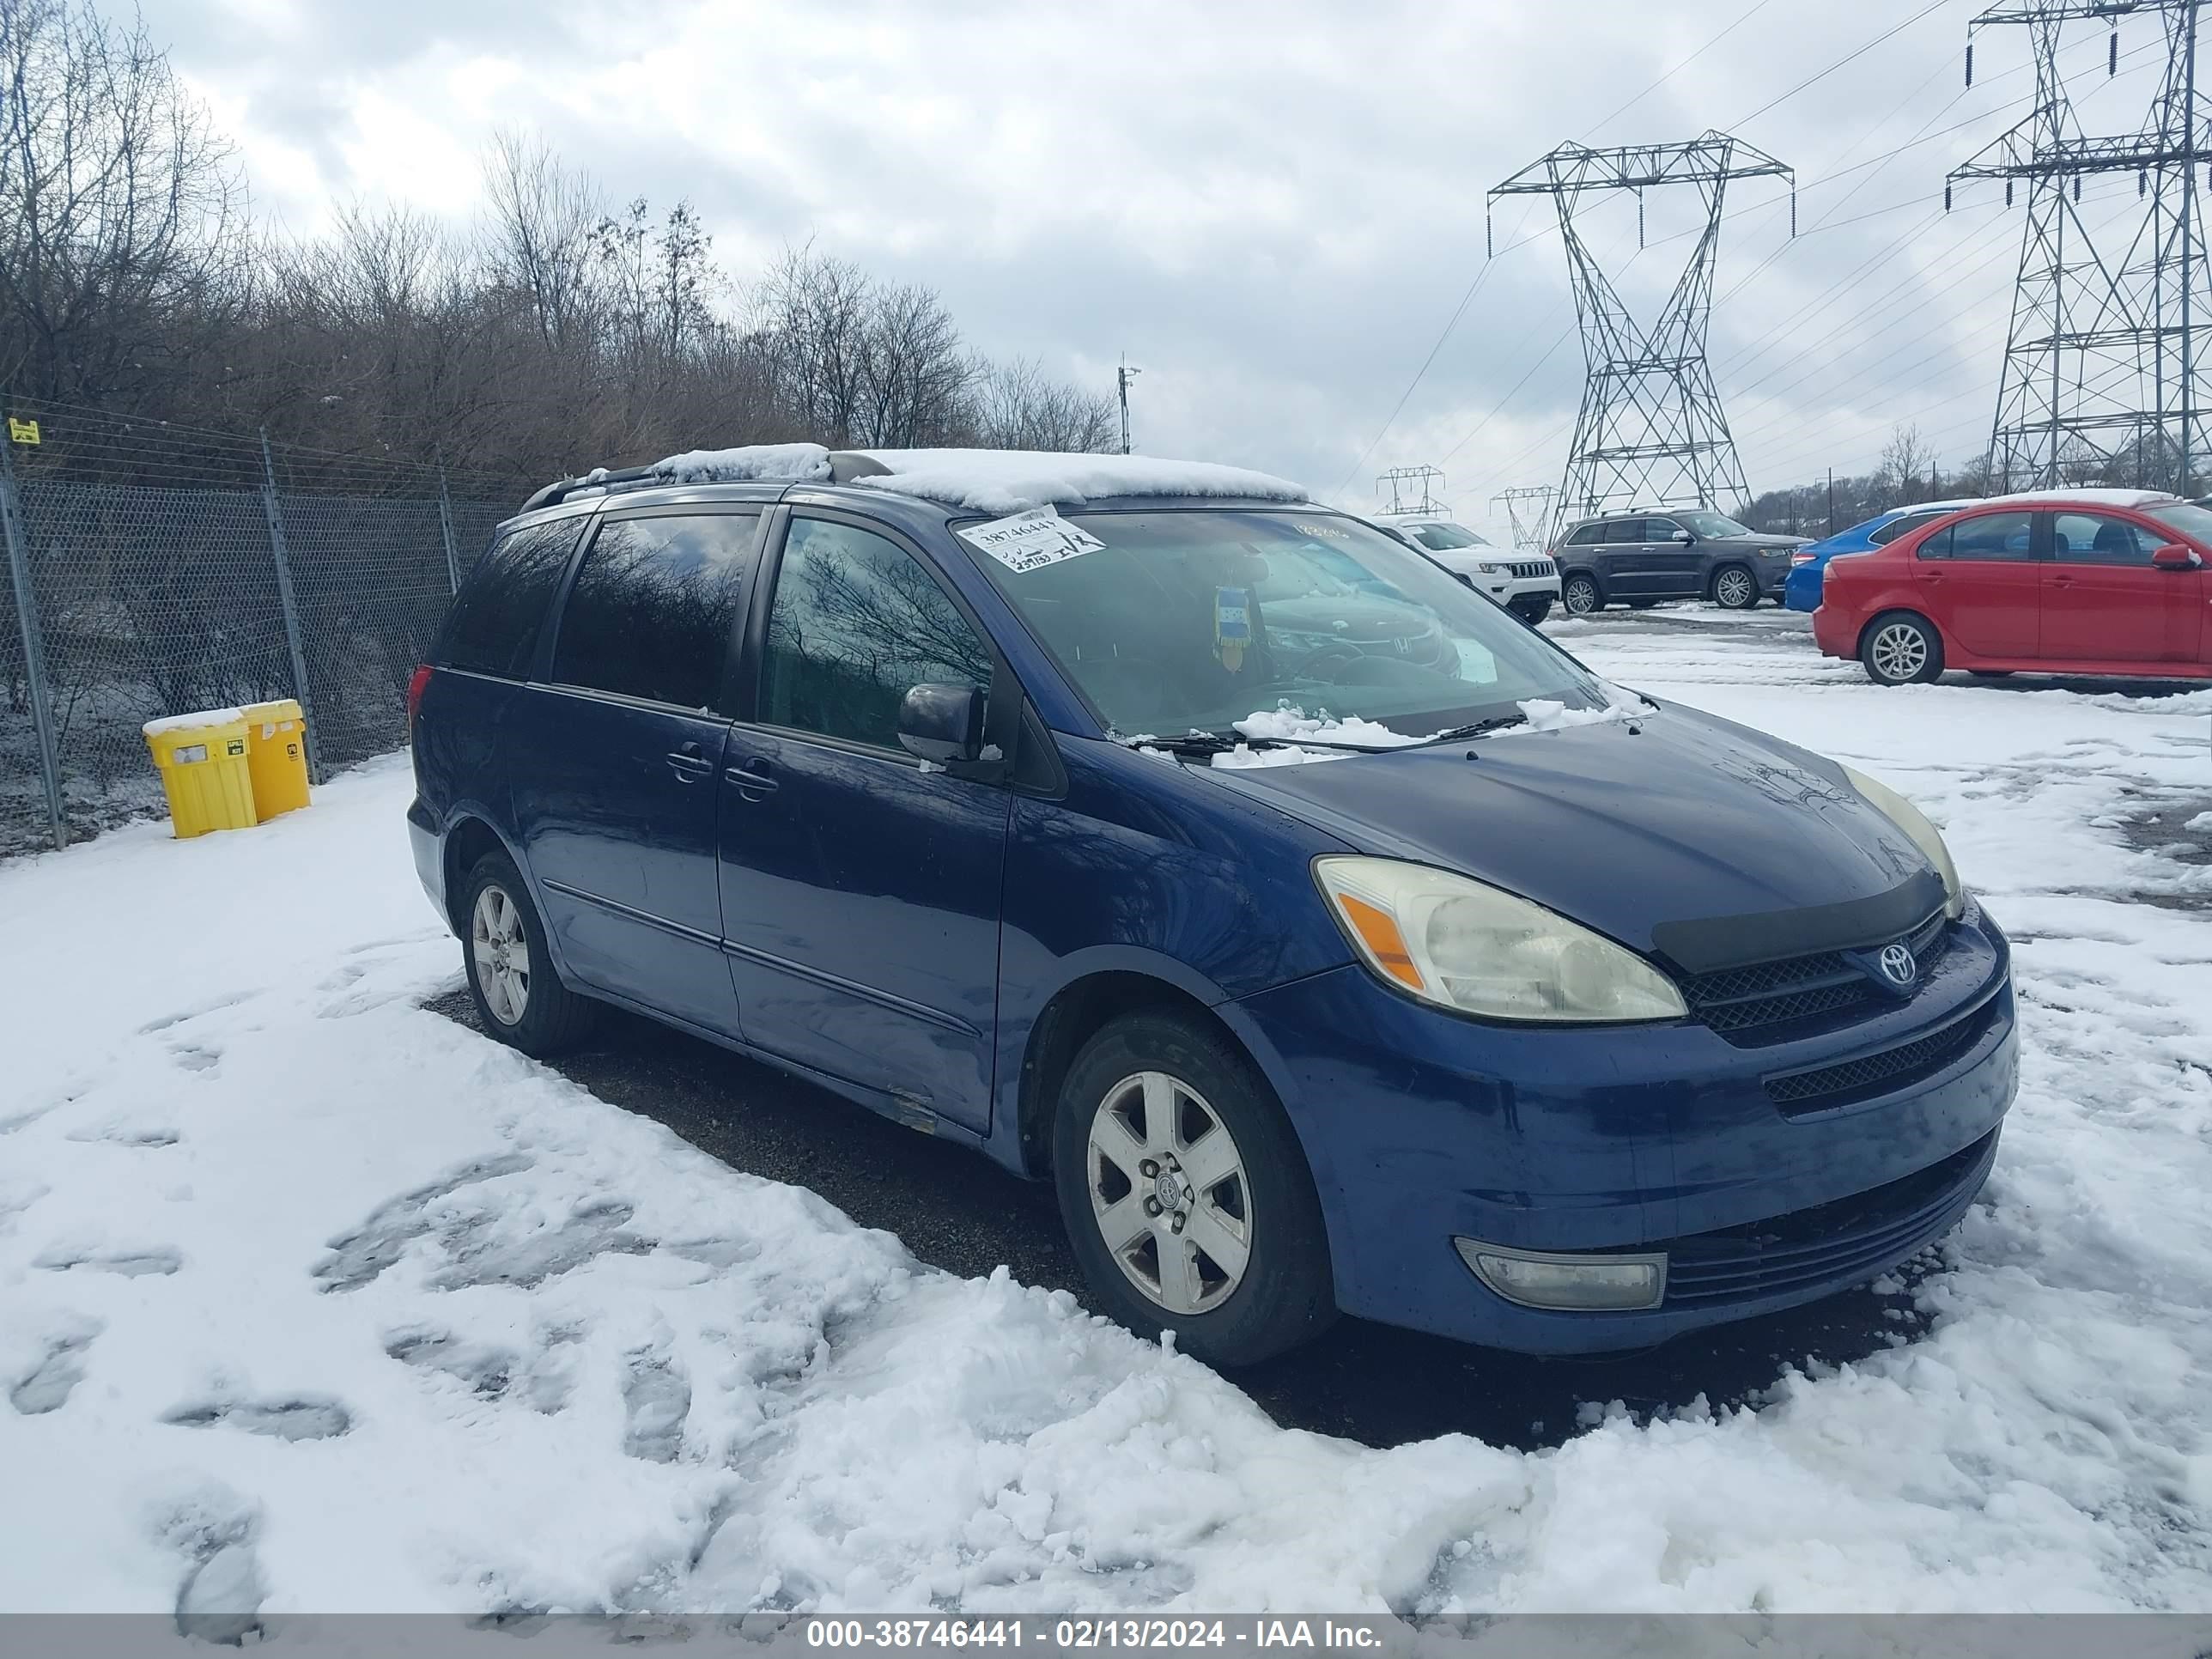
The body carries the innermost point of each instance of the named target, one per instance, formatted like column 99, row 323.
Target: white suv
column 1525, row 583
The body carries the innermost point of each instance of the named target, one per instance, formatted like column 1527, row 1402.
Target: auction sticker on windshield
column 1030, row 540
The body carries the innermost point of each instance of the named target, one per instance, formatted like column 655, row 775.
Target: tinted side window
column 1660, row 530
column 653, row 607
column 494, row 625
column 1589, row 536
column 1898, row 526
column 1623, row 529
column 2091, row 538
column 1992, row 537
column 854, row 623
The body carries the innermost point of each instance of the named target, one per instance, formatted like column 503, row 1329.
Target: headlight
column 1910, row 819
column 1464, row 946
column 1498, row 569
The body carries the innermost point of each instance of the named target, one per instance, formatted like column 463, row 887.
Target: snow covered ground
column 311, row 1300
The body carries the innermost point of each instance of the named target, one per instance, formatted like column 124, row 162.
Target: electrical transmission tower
column 1401, row 479
column 1528, row 509
column 2099, row 381
column 1650, row 427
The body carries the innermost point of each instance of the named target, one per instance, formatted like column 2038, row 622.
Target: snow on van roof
column 978, row 480
column 805, row 463
column 1010, row 481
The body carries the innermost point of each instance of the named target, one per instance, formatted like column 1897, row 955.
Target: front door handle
column 689, row 763
column 751, row 784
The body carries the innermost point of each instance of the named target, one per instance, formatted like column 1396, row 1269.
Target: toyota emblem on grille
column 1897, row 966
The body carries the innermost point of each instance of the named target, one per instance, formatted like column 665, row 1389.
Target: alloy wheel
column 1898, row 653
column 1581, row 596
column 1169, row 1193
column 501, row 951
column 1736, row 590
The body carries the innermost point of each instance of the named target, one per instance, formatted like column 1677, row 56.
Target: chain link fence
column 153, row 572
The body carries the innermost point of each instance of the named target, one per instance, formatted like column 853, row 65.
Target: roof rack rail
column 560, row 490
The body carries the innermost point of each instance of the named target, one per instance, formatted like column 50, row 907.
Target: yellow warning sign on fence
column 23, row 432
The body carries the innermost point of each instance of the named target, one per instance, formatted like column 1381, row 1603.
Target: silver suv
column 1651, row 554
column 1526, row 584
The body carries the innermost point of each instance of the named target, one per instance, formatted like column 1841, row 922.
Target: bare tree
column 1907, row 466
column 539, row 241
column 1017, row 406
column 121, row 209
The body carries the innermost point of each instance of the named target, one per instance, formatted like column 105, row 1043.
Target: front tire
column 1581, row 595
column 518, row 994
column 1901, row 648
column 1531, row 612
column 1734, row 589
column 1186, row 1195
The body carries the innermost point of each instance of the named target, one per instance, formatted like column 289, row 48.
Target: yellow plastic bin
column 205, row 770
column 277, row 755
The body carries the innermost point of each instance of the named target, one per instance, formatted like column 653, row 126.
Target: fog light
column 1584, row 1283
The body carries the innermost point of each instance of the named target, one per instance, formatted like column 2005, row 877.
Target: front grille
column 1840, row 1243
column 1882, row 1072
column 1768, row 1001
column 1534, row 568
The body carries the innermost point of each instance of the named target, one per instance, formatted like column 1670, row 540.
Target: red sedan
column 2065, row 581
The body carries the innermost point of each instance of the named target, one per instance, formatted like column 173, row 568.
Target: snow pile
column 1285, row 724
column 1013, row 481
column 1549, row 714
column 802, row 463
column 193, row 722
column 313, row 1301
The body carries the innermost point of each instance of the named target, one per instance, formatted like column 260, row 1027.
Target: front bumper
column 1506, row 589
column 1422, row 1127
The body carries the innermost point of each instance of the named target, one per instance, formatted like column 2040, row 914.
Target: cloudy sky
column 1273, row 210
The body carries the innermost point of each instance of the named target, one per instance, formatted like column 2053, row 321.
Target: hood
column 1681, row 835
column 1755, row 541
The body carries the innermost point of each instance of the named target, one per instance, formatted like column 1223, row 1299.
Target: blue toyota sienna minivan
column 1330, row 941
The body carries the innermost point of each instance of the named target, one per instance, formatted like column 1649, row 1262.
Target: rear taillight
column 416, row 681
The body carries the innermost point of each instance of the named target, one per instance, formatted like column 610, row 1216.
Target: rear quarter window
column 496, row 618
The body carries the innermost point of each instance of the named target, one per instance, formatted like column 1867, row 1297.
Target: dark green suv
column 1642, row 558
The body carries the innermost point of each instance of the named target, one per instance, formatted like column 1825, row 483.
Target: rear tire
column 1531, row 612
column 1581, row 595
column 1160, row 1250
column 1901, row 648
column 1734, row 589
column 518, row 994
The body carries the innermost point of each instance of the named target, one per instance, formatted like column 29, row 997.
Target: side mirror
column 2174, row 556
column 942, row 723
column 1682, row 536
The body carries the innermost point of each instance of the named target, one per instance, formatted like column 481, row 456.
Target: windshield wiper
column 1216, row 743
column 1475, row 729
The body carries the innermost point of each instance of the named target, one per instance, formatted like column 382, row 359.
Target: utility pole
column 1650, row 430
column 1832, row 500
column 1400, row 478
column 1121, row 377
column 2100, row 359
column 1528, row 510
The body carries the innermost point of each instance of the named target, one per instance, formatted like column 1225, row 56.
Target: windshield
column 1701, row 523
column 1444, row 537
column 2186, row 517
column 1192, row 620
